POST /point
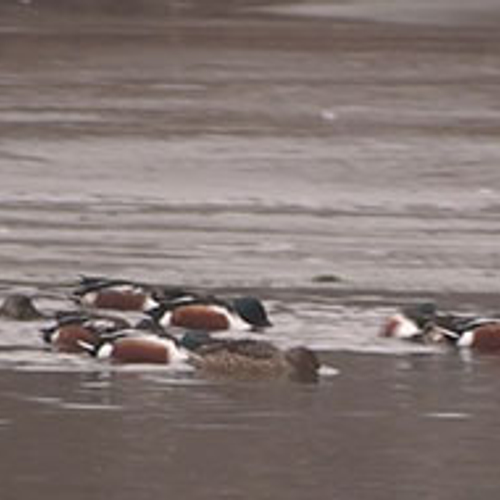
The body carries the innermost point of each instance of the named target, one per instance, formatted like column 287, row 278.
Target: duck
column 250, row 359
column 121, row 294
column 134, row 347
column 409, row 323
column 481, row 334
column 212, row 313
column 21, row 308
column 423, row 322
column 71, row 330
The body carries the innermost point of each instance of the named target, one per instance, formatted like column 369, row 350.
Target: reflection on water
column 255, row 146
column 408, row 426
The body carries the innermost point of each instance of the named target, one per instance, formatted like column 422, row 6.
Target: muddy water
column 339, row 160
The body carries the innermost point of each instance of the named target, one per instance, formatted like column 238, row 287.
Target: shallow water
column 336, row 160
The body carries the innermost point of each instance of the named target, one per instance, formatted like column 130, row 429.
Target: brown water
column 253, row 146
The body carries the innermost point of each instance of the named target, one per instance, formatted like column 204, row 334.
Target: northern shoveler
column 72, row 329
column 250, row 359
column 424, row 323
column 121, row 294
column 410, row 322
column 20, row 307
column 212, row 314
column 138, row 347
column 481, row 334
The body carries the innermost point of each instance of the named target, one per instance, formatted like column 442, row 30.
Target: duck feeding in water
column 20, row 307
column 212, row 314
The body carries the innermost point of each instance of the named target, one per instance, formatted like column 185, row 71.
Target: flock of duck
column 177, row 325
column 425, row 323
column 173, row 326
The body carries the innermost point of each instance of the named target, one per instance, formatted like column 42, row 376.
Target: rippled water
column 336, row 160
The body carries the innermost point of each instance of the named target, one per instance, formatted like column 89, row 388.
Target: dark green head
column 252, row 311
column 421, row 314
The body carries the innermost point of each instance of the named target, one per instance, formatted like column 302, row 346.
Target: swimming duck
column 138, row 347
column 121, row 294
column 410, row 322
column 212, row 313
column 481, row 334
column 424, row 323
column 20, row 307
column 250, row 359
column 70, row 330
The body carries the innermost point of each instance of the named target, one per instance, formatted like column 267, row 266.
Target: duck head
column 251, row 310
column 304, row 364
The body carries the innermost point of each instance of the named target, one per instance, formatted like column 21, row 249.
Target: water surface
column 337, row 160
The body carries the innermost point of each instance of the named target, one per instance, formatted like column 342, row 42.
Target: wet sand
column 338, row 160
